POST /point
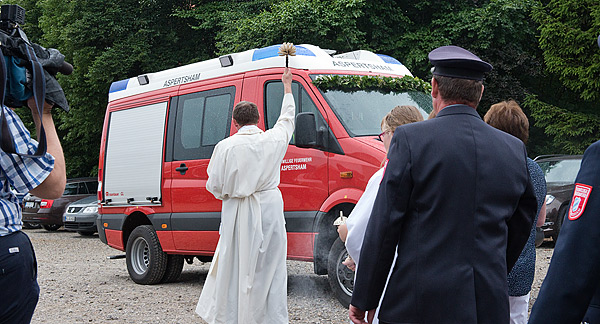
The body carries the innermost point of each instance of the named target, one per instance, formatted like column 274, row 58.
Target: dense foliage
column 544, row 53
column 351, row 83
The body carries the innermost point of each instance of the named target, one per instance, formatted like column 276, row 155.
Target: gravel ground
column 80, row 285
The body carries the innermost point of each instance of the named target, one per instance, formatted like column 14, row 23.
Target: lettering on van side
column 295, row 164
column 113, row 194
column 361, row 65
column 183, row 79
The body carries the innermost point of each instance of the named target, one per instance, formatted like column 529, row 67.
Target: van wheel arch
column 327, row 234
column 131, row 222
column 327, row 252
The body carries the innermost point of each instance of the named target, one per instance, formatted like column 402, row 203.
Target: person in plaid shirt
column 43, row 176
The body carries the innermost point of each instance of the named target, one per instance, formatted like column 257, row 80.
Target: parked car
column 81, row 216
column 560, row 172
column 21, row 196
column 49, row 212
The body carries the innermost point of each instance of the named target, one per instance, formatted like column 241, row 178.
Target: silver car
column 81, row 215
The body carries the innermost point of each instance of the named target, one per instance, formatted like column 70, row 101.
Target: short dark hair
column 246, row 113
column 461, row 91
column 507, row 116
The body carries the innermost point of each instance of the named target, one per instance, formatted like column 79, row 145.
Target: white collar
column 249, row 129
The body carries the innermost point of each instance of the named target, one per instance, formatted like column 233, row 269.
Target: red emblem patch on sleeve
column 580, row 199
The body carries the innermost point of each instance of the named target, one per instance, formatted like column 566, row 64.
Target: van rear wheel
column 146, row 261
column 341, row 279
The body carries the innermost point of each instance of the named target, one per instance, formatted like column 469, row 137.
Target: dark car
column 560, row 172
column 81, row 216
column 48, row 212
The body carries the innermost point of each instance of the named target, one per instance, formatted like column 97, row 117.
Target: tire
column 560, row 218
column 27, row 225
column 174, row 267
column 146, row 261
column 341, row 279
column 85, row 233
column 51, row 227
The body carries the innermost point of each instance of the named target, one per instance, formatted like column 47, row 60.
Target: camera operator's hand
column 54, row 185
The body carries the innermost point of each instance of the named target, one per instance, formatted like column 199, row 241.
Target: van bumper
column 100, row 228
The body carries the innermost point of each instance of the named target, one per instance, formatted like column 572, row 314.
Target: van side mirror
column 306, row 130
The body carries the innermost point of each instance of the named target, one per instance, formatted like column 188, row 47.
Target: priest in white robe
column 247, row 280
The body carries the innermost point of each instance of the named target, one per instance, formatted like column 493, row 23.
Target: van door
column 201, row 119
column 304, row 172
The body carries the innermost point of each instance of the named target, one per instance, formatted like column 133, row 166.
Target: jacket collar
column 249, row 130
column 458, row 109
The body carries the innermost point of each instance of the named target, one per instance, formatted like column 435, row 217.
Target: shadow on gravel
column 308, row 285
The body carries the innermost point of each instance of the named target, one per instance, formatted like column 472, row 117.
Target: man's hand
column 357, row 316
column 286, row 78
column 350, row 263
column 343, row 232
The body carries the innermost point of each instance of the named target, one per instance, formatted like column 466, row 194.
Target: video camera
column 21, row 55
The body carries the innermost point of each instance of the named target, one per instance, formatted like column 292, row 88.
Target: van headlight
column 90, row 210
column 549, row 199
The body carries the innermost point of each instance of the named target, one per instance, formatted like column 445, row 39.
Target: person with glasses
column 356, row 224
column 455, row 203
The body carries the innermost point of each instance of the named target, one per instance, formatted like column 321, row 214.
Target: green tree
column 568, row 38
column 108, row 41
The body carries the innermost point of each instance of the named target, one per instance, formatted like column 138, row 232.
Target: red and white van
column 160, row 130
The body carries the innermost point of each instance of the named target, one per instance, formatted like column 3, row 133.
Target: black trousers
column 19, row 290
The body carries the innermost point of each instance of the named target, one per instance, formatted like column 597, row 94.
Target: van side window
column 202, row 120
column 274, row 97
column 304, row 103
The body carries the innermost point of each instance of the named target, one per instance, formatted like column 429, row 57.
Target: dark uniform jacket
column 572, row 284
column 457, row 203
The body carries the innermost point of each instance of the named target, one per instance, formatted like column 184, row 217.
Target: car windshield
column 361, row 112
column 560, row 172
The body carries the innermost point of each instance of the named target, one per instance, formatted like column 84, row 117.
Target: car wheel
column 146, row 261
column 86, row 233
column 560, row 218
column 174, row 267
column 51, row 227
column 341, row 279
column 27, row 225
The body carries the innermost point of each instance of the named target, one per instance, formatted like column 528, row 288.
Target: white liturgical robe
column 247, row 280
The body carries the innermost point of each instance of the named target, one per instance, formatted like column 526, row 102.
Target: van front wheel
column 341, row 279
column 146, row 261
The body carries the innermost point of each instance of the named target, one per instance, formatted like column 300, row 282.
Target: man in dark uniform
column 571, row 291
column 457, row 205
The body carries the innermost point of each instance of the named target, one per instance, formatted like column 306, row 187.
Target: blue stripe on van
column 272, row 51
column 118, row 86
column 389, row 59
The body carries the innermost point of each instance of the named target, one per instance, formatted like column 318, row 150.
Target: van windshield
column 361, row 111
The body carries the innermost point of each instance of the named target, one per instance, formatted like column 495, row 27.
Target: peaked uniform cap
column 457, row 62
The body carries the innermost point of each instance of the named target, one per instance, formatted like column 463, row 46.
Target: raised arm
column 54, row 185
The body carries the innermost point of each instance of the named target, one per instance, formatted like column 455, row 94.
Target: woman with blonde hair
column 353, row 232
